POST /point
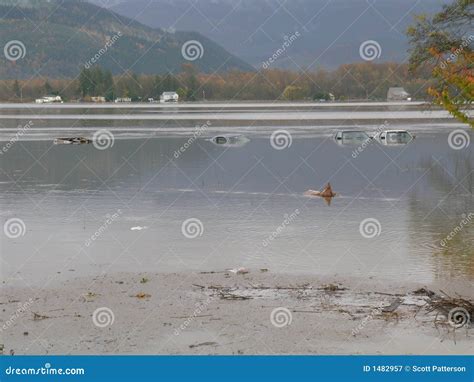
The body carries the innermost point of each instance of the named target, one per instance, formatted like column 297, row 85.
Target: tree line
column 363, row 81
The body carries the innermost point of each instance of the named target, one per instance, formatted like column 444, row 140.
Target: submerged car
column 72, row 141
column 230, row 140
column 395, row 137
column 351, row 137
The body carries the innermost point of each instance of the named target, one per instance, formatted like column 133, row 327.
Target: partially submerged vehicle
column 351, row 137
column 395, row 137
column 230, row 140
column 72, row 141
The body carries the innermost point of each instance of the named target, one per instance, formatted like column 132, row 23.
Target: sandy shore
column 226, row 313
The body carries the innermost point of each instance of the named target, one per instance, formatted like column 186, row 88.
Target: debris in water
column 138, row 228
column 72, row 141
column 203, row 344
column 327, row 193
column 229, row 140
column 142, row 295
column 393, row 306
column 458, row 311
column 239, row 271
column 332, row 287
column 144, row 280
column 37, row 317
column 224, row 295
column 424, row 292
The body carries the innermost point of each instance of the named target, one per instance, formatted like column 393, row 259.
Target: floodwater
column 87, row 211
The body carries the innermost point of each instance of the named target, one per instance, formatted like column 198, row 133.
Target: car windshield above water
column 397, row 137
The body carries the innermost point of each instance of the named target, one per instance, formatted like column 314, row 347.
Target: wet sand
column 226, row 313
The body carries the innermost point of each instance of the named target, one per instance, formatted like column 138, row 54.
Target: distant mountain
column 56, row 38
column 331, row 31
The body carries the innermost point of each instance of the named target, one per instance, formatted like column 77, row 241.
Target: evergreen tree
column 191, row 82
column 170, row 83
column 16, row 89
column 48, row 89
column 108, row 86
column 85, row 83
column 157, row 87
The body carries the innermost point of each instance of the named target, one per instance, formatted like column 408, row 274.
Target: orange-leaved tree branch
column 444, row 45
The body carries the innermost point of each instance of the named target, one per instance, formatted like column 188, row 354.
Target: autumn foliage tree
column 367, row 81
column 444, row 44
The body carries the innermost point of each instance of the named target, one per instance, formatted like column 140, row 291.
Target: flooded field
column 173, row 223
column 87, row 210
column 176, row 118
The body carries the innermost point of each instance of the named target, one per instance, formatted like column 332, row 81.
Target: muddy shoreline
column 227, row 313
